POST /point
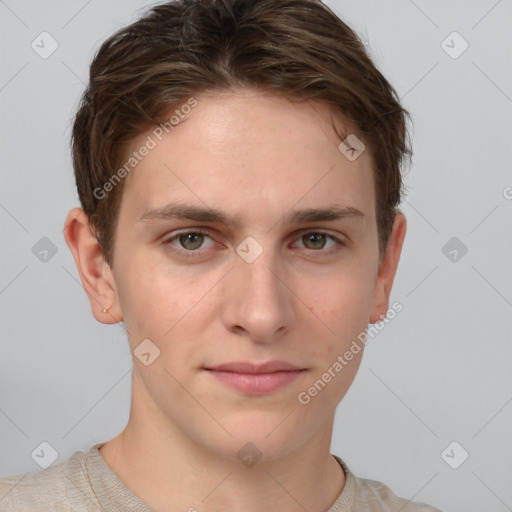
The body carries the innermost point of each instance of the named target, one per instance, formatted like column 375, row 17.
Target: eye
column 189, row 242
column 316, row 240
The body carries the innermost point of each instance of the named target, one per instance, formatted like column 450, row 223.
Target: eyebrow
column 213, row 215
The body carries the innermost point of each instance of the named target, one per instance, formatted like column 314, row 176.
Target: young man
column 238, row 166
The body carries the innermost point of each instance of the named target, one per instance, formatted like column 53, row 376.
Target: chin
column 266, row 440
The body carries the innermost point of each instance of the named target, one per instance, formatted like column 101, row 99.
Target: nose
column 259, row 299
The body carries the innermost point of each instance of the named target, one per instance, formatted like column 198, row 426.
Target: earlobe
column 387, row 269
column 94, row 272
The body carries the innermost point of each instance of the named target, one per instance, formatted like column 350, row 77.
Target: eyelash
column 198, row 252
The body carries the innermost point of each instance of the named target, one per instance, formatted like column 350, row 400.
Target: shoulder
column 53, row 488
column 365, row 495
column 373, row 494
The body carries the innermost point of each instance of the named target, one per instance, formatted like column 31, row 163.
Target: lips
column 247, row 367
column 256, row 378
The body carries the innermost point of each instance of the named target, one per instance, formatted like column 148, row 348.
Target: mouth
column 256, row 379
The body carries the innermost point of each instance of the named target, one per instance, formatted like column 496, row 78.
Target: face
column 265, row 279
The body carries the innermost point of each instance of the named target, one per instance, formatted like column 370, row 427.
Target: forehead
column 250, row 151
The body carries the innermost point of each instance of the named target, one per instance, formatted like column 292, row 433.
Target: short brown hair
column 296, row 48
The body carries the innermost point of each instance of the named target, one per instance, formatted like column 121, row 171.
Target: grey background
column 439, row 372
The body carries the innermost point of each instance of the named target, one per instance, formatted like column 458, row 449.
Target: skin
column 256, row 157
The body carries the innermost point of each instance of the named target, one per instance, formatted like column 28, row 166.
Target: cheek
column 159, row 300
column 147, row 304
column 341, row 309
column 343, row 303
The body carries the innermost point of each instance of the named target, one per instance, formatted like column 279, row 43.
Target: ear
column 387, row 269
column 95, row 273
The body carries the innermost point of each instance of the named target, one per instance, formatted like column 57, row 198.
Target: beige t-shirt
column 85, row 483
